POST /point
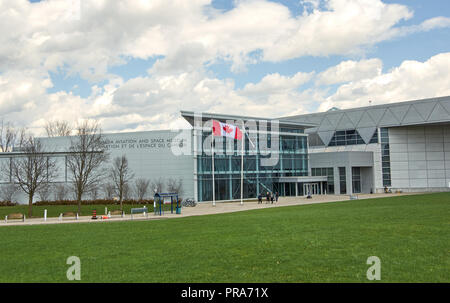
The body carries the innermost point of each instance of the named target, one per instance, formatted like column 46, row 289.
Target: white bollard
column 77, row 216
column 60, row 217
column 6, row 219
column 106, row 211
column 109, row 214
column 45, row 215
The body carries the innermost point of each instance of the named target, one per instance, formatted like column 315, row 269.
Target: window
column 292, row 160
column 291, row 130
column 385, row 157
column 342, row 180
column 346, row 137
column 314, row 140
column 325, row 171
column 374, row 137
column 356, row 179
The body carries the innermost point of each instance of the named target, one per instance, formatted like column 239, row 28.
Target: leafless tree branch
column 87, row 154
column 32, row 170
column 141, row 187
column 121, row 174
column 58, row 129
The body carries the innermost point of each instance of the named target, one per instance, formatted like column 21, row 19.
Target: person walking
column 267, row 197
column 272, row 198
column 259, row 198
column 276, row 197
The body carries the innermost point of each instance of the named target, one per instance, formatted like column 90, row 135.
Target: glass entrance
column 311, row 188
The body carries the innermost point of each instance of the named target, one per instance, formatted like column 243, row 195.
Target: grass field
column 327, row 242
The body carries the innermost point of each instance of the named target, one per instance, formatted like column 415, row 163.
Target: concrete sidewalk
column 204, row 209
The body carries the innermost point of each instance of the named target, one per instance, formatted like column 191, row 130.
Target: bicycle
column 188, row 203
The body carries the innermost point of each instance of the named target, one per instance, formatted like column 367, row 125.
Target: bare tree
column 121, row 175
column 175, row 185
column 85, row 159
column 141, row 187
column 60, row 192
column 108, row 189
column 158, row 185
column 44, row 191
column 32, row 170
column 127, row 191
column 7, row 192
column 58, row 129
column 10, row 136
column 94, row 192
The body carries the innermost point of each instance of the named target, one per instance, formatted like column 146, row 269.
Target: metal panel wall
column 423, row 163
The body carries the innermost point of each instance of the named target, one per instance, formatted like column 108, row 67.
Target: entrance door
column 311, row 188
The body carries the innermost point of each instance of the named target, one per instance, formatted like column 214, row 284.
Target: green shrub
column 94, row 202
column 8, row 203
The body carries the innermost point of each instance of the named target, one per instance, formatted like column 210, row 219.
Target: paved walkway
column 204, row 209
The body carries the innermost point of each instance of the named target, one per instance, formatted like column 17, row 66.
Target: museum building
column 403, row 146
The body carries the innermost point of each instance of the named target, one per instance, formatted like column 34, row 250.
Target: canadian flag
column 227, row 130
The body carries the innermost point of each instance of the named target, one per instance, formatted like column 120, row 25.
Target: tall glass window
column 385, row 157
column 356, row 179
column 342, row 180
column 292, row 161
column 325, row 171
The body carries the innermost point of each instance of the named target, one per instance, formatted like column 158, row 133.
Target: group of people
column 270, row 197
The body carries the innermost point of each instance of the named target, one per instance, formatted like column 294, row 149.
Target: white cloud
column 188, row 33
column 18, row 91
column 411, row 80
column 276, row 83
column 155, row 101
column 347, row 71
column 345, row 28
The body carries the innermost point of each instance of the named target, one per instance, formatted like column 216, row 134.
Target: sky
column 134, row 64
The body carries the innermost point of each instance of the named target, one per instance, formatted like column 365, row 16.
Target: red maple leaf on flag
column 227, row 129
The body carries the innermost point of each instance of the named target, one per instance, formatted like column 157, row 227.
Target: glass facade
column 342, row 180
column 342, row 137
column 325, row 171
column 292, row 157
column 374, row 138
column 356, row 180
column 346, row 137
column 385, row 157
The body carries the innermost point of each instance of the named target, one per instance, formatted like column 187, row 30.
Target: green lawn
column 311, row 243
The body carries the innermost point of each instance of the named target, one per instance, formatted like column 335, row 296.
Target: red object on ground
column 94, row 214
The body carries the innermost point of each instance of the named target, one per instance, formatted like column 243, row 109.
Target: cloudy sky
column 134, row 64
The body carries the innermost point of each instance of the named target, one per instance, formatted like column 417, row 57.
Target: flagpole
column 212, row 168
column 242, row 165
column 242, row 171
column 242, row 160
